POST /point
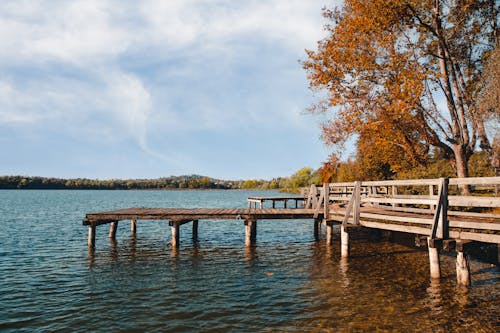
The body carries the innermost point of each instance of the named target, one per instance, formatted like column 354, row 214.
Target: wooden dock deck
column 179, row 216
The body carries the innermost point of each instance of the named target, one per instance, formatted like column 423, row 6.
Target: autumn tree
column 489, row 101
column 407, row 72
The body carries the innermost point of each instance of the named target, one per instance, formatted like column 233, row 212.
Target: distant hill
column 302, row 177
column 172, row 182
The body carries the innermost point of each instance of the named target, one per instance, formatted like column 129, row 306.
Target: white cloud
column 130, row 101
column 98, row 68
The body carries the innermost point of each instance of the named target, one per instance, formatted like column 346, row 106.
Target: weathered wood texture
column 438, row 215
column 190, row 214
column 259, row 202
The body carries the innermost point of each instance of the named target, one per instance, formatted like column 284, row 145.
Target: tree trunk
column 461, row 160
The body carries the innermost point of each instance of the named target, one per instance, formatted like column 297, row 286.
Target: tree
column 489, row 101
column 409, row 71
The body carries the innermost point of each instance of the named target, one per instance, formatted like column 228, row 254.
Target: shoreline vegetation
column 301, row 178
column 346, row 171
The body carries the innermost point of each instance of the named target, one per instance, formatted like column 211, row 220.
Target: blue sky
column 146, row 89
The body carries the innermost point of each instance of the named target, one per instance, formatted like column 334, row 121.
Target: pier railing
column 431, row 207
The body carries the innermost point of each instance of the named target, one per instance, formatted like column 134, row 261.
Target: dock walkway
column 179, row 216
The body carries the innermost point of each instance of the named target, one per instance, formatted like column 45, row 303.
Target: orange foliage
column 382, row 65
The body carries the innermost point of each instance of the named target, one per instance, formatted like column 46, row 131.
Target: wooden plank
column 474, row 201
column 419, row 182
column 475, row 225
column 408, row 182
column 338, row 198
column 480, row 237
column 406, row 209
column 396, row 227
column 472, row 214
column 410, row 201
column 395, row 218
column 475, row 181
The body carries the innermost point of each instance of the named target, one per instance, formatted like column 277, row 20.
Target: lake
column 287, row 282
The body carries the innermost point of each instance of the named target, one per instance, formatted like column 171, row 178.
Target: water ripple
column 288, row 282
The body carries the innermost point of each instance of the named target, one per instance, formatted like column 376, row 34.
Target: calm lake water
column 288, row 282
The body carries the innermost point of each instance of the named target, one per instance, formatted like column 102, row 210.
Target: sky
column 146, row 89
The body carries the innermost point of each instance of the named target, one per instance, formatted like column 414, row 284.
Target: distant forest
column 303, row 177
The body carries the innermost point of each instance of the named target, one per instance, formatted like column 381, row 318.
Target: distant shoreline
column 189, row 182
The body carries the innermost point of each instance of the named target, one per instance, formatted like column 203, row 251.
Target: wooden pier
column 431, row 209
column 180, row 216
column 283, row 200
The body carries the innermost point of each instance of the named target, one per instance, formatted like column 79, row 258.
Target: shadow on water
column 386, row 287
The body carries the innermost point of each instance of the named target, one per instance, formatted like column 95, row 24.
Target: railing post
column 444, row 215
column 311, row 197
column 440, row 228
column 357, row 201
column 326, row 200
column 319, row 201
column 394, row 194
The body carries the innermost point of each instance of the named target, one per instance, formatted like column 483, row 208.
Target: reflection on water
column 434, row 296
column 343, row 267
column 287, row 282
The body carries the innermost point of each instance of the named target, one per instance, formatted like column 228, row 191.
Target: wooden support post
column 434, row 258
column 175, row 233
column 91, row 240
column 112, row 229
column 344, row 242
column 329, row 234
column 250, row 232
column 274, row 203
column 463, row 270
column 316, row 229
column 254, row 231
column 420, row 240
column 195, row 229
column 284, row 203
column 498, row 255
column 462, row 264
column 133, row 226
